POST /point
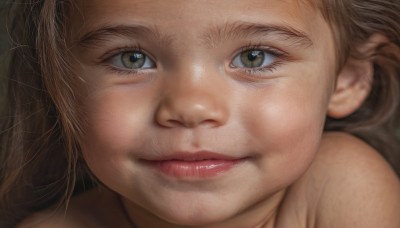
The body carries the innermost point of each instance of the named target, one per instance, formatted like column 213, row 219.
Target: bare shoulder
column 46, row 219
column 83, row 211
column 357, row 187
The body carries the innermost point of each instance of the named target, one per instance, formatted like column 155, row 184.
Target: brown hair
column 377, row 121
column 39, row 149
column 39, row 134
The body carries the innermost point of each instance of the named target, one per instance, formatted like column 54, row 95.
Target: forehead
column 294, row 7
column 187, row 16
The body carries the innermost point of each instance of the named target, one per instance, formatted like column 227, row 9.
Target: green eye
column 132, row 60
column 253, row 58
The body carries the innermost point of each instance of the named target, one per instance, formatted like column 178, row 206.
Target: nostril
column 174, row 123
column 190, row 123
column 211, row 123
column 196, row 110
column 192, row 120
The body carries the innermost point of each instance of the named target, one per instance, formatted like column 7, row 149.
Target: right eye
column 253, row 58
column 132, row 60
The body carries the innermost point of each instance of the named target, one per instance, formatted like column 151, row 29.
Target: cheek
column 286, row 127
column 115, row 125
column 110, row 122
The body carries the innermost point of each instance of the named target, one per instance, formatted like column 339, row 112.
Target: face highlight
column 242, row 86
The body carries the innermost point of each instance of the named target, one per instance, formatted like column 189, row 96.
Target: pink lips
column 194, row 165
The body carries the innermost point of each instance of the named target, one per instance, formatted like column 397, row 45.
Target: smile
column 194, row 165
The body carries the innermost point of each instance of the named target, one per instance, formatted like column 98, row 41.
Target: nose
column 191, row 105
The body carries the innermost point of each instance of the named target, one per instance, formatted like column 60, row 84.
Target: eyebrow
column 106, row 33
column 212, row 36
column 241, row 30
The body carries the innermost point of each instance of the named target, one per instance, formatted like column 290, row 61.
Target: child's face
column 247, row 80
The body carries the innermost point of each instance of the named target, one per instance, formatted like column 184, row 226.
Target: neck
column 260, row 215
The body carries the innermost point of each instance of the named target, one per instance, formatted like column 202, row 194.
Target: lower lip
column 194, row 169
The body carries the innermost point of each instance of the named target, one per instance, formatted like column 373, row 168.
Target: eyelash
column 278, row 54
column 124, row 72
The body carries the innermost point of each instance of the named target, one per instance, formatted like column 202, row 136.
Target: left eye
column 253, row 58
column 132, row 60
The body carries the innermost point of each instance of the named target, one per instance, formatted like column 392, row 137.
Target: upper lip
column 194, row 156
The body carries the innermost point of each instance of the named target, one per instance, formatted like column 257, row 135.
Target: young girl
column 228, row 113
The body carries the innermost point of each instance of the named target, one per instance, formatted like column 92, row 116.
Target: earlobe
column 354, row 82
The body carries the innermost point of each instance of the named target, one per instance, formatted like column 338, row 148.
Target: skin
column 193, row 99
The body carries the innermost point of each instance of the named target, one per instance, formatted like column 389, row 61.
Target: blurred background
column 4, row 46
column 3, row 36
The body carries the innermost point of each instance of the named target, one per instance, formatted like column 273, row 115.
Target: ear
column 354, row 82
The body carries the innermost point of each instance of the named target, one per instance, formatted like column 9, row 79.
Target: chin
column 195, row 214
column 195, row 219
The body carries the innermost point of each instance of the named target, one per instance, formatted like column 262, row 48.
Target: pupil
column 135, row 57
column 253, row 55
column 252, row 58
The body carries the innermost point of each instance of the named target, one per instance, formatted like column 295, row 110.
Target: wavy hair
column 41, row 123
column 377, row 121
column 39, row 149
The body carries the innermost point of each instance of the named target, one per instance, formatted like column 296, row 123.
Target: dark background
column 4, row 47
column 3, row 34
